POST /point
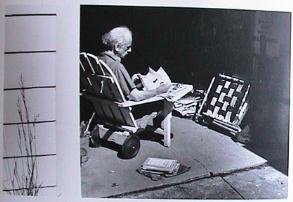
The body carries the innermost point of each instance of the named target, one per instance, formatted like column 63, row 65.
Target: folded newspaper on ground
column 160, row 165
column 157, row 168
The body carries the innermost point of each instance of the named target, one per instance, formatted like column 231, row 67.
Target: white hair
column 116, row 35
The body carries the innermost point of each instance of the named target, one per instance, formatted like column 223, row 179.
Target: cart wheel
column 130, row 147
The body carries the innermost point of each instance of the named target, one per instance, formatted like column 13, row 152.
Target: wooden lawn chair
column 113, row 112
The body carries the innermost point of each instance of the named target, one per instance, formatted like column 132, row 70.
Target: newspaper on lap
column 154, row 79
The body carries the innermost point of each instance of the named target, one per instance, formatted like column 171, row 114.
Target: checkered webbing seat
column 225, row 102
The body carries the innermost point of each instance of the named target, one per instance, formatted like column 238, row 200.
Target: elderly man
column 118, row 42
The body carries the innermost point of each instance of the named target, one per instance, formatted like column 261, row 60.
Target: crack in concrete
column 234, row 189
column 198, row 161
column 210, row 175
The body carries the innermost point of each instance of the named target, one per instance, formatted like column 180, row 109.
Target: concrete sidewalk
column 263, row 182
column 208, row 152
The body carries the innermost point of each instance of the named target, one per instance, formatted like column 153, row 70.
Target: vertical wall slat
column 43, row 133
column 46, row 177
column 30, row 33
column 36, row 69
column 40, row 102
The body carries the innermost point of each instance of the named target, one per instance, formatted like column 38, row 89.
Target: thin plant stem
column 24, row 176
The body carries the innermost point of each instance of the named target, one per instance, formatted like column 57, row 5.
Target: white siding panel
column 46, row 191
column 46, row 170
column 45, row 139
column 30, row 9
column 36, row 69
column 40, row 102
column 30, row 33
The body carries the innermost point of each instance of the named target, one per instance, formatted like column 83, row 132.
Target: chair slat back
column 103, row 90
column 112, row 113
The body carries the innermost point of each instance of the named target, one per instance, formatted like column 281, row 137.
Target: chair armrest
column 172, row 95
column 130, row 103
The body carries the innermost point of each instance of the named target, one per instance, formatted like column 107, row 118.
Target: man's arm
column 138, row 95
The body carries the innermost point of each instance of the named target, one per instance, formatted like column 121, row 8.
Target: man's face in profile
column 124, row 48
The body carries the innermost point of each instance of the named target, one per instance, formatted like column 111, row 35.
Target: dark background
column 194, row 44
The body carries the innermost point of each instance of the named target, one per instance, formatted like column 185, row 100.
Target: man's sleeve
column 124, row 80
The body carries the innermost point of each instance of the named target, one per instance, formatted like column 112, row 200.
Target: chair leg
column 165, row 123
column 167, row 130
column 168, row 106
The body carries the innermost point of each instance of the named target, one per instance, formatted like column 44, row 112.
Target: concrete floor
column 210, row 154
column 257, row 183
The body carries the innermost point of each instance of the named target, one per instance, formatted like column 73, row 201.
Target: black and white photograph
column 184, row 102
column 126, row 100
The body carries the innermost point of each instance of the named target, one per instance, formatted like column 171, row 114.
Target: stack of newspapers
column 159, row 166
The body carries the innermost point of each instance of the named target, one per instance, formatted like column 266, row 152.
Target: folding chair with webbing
column 225, row 103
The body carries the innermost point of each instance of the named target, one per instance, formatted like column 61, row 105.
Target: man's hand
column 138, row 95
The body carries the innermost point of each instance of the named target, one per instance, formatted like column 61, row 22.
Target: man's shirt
column 114, row 62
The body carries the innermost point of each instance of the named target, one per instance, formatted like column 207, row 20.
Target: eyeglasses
column 126, row 46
